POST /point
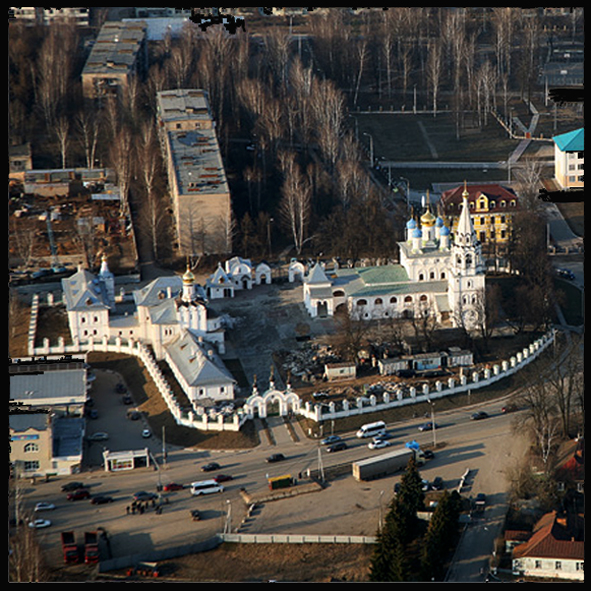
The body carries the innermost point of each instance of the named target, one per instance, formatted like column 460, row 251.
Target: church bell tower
column 467, row 278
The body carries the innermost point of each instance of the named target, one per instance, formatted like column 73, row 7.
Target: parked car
column 72, row 486
column 330, row 440
column 340, row 445
column 477, row 416
column 428, row 454
column 275, row 458
column 77, row 495
column 101, row 500
column 146, row 433
column 44, row 506
column 437, row 483
column 39, row 523
column 100, row 436
column 320, row 395
column 173, row 486
column 127, row 399
column 210, row 467
column 134, row 415
column 379, row 444
column 223, row 478
column 144, row 496
column 120, row 388
column 565, row 274
column 428, row 426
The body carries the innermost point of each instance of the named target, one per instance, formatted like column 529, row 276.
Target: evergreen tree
column 439, row 536
column 390, row 560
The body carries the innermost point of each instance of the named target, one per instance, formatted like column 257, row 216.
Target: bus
column 372, row 429
column 206, row 487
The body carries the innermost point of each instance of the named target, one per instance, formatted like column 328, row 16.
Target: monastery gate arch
column 259, row 403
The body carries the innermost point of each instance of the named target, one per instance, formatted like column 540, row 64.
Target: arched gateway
column 258, row 404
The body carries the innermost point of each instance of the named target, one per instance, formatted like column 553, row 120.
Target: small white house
column 318, row 297
column 296, row 271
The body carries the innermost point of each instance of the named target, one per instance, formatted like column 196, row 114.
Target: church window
column 393, row 300
column 82, row 319
column 442, row 274
column 95, row 319
column 378, row 302
column 482, row 204
column 493, row 204
column 503, row 203
column 338, row 293
column 423, row 298
column 432, row 275
column 31, row 447
column 421, row 277
column 408, row 299
column 362, row 302
column 469, row 285
column 468, row 260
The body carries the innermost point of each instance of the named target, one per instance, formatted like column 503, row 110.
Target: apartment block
column 118, row 54
column 196, row 175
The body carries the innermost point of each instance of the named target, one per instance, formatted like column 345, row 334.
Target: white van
column 372, row 429
column 206, row 487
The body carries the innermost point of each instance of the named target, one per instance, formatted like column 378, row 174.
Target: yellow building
column 492, row 207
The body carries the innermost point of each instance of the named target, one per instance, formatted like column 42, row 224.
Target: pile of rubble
column 306, row 364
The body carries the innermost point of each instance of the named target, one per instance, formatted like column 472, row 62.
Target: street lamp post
column 370, row 147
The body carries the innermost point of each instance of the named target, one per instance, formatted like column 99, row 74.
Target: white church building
column 438, row 274
column 170, row 314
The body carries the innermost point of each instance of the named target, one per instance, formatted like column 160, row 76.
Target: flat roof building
column 118, row 54
column 196, row 175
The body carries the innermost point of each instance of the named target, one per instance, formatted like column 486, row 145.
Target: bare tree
column 295, row 199
column 328, row 107
column 350, row 335
column 89, row 126
column 435, row 71
column 120, row 156
column 62, row 132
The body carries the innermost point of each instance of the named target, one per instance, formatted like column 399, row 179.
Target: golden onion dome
column 428, row 219
column 188, row 277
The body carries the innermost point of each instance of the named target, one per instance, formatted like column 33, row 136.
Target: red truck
column 69, row 547
column 91, row 550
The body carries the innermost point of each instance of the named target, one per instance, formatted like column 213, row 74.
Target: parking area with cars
column 118, row 425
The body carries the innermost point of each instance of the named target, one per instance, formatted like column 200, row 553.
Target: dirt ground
column 233, row 563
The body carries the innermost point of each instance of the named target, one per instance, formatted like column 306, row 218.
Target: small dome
column 417, row 233
column 411, row 224
column 428, row 219
column 439, row 222
column 444, row 231
column 188, row 276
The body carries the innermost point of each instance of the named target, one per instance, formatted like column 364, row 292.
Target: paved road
column 344, row 507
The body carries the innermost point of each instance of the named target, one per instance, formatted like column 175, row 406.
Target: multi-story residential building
column 569, row 159
column 196, row 176
column 118, row 54
column 492, row 207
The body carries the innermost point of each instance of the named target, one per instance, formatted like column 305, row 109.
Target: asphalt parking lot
column 112, row 419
